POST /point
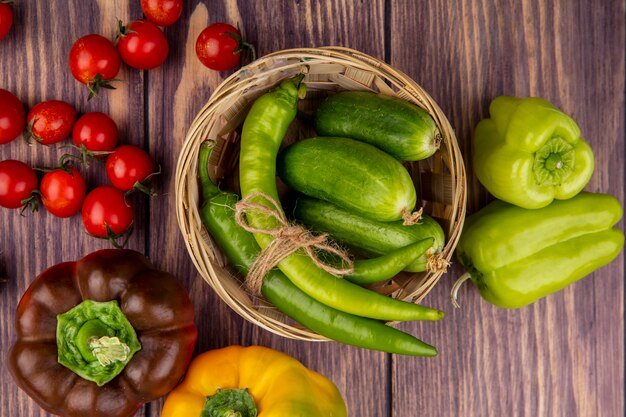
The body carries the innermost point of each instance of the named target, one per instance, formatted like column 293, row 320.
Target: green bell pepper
column 530, row 153
column 515, row 256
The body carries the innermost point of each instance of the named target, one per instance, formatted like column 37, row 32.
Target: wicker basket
column 439, row 180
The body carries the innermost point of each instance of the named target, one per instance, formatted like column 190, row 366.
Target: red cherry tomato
column 51, row 121
column 105, row 206
column 219, row 46
column 96, row 131
column 162, row 12
column 17, row 183
column 62, row 192
column 128, row 165
column 94, row 61
column 6, row 19
column 12, row 117
column 142, row 45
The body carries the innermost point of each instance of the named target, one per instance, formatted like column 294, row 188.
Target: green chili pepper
column 529, row 153
column 263, row 131
column 516, row 256
column 241, row 249
column 369, row 271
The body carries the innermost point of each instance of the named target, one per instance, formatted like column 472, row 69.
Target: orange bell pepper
column 254, row 381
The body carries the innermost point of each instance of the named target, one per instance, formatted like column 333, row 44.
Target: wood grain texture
column 176, row 93
column 33, row 65
column 563, row 356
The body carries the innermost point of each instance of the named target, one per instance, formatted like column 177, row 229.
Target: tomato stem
column 113, row 237
column 31, row 202
column 85, row 154
column 242, row 44
column 31, row 134
column 98, row 83
column 143, row 186
column 122, row 30
column 64, row 163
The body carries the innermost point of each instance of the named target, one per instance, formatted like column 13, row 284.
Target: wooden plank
column 562, row 356
column 176, row 94
column 33, row 65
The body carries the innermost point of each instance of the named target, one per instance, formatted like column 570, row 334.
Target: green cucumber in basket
column 398, row 127
column 367, row 236
column 350, row 174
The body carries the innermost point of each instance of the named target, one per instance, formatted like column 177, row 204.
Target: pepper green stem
column 230, row 403
column 91, row 329
column 554, row 162
column 209, row 189
column 455, row 289
column 108, row 350
column 95, row 340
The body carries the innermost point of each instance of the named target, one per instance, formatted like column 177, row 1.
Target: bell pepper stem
column 95, row 340
column 230, row 403
column 455, row 289
column 554, row 162
column 109, row 350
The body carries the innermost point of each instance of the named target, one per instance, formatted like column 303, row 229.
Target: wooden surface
column 562, row 356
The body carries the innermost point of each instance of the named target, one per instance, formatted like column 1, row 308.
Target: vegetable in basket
column 350, row 174
column 241, row 249
column 515, row 256
column 263, row 131
column 369, row 271
column 398, row 127
column 368, row 236
column 101, row 336
column 529, row 153
column 250, row 381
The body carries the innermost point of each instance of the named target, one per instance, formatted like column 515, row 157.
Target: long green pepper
column 369, row 271
column 263, row 131
column 241, row 249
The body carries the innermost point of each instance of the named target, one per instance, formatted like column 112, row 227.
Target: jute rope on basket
column 440, row 180
column 288, row 238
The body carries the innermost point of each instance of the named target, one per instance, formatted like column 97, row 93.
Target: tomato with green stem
column 12, row 117
column 95, row 62
column 6, row 18
column 18, row 183
column 96, row 131
column 51, row 121
column 219, row 47
column 130, row 167
column 63, row 191
column 142, row 45
column 162, row 12
column 107, row 215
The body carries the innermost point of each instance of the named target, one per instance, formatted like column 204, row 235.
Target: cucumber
column 368, row 237
column 398, row 127
column 351, row 174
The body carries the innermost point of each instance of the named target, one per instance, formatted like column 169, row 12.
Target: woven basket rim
column 249, row 77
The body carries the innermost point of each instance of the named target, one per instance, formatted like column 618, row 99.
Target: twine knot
column 288, row 238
